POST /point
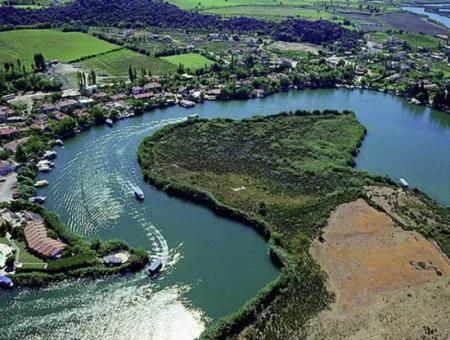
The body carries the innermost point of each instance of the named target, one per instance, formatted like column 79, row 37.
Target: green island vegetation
column 117, row 63
column 284, row 174
column 53, row 44
column 80, row 258
column 191, row 61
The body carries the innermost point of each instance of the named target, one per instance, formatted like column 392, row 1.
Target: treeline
column 141, row 13
column 15, row 76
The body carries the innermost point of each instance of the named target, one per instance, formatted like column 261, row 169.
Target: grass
column 419, row 40
column 273, row 11
column 190, row 61
column 3, row 240
column 116, row 63
column 292, row 170
column 295, row 169
column 66, row 47
column 29, row 260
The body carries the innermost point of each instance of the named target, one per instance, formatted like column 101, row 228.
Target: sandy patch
column 389, row 283
column 367, row 256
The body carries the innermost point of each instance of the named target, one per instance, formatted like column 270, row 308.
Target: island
column 348, row 243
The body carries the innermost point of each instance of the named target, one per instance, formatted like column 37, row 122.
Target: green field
column 66, row 47
column 29, row 260
column 117, row 63
column 276, row 12
column 4, row 241
column 190, row 61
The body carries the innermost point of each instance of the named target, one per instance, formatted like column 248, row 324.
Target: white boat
column 139, row 194
column 109, row 122
column 41, row 183
column 404, row 183
column 44, row 168
column 59, row 142
column 193, row 116
column 187, row 103
column 38, row 199
column 50, row 155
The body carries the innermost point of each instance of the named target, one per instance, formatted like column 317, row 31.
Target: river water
column 213, row 265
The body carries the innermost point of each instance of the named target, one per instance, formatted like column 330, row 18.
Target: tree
column 21, row 156
column 39, row 62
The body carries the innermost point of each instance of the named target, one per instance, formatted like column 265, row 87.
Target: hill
column 138, row 13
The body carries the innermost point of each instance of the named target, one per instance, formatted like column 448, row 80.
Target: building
column 40, row 243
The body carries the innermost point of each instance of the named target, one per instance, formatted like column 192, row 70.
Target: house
column 5, row 111
column 60, row 116
column 90, row 90
column 154, row 85
column 38, row 241
column 48, row 108
column 70, row 93
column 12, row 146
column 7, row 132
column 135, row 90
column 67, row 104
column 144, row 96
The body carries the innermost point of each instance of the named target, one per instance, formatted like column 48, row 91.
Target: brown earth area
column 389, row 283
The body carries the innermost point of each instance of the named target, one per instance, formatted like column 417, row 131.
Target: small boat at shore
column 404, row 184
column 155, row 267
column 38, row 199
column 193, row 116
column 109, row 122
column 41, row 183
column 139, row 194
column 50, row 155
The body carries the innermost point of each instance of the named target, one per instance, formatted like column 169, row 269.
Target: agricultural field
column 206, row 4
column 412, row 23
column 416, row 40
column 117, row 63
column 66, row 47
column 191, row 61
column 275, row 12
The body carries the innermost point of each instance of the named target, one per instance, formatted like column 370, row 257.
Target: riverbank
column 261, row 183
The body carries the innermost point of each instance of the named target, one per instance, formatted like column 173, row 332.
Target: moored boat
column 50, row 154
column 109, row 122
column 38, row 199
column 155, row 267
column 41, row 183
column 404, row 183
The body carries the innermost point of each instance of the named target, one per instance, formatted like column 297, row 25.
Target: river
column 213, row 265
column 437, row 17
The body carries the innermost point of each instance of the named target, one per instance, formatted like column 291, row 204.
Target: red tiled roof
column 39, row 242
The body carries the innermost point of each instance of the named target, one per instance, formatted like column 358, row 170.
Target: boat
column 155, row 267
column 50, row 155
column 139, row 194
column 59, row 142
column 187, row 103
column 193, row 116
column 44, row 168
column 109, row 122
column 38, row 199
column 404, row 183
column 41, row 183
column 6, row 282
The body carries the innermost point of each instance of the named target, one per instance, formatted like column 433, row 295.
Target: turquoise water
column 214, row 265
